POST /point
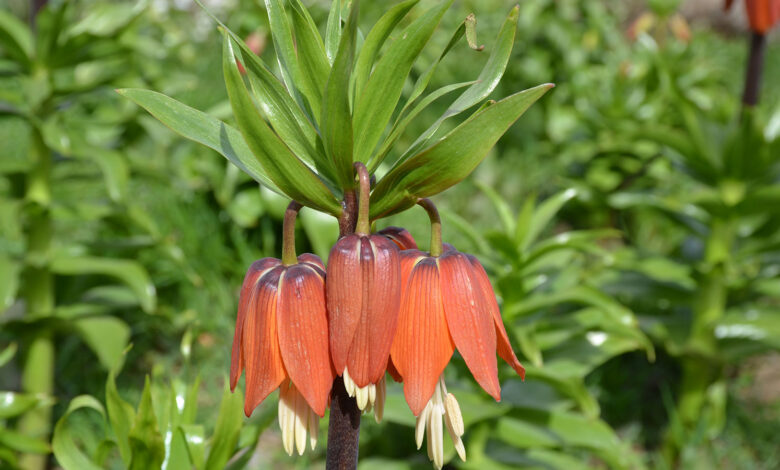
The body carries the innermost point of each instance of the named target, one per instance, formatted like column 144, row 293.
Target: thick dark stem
column 348, row 218
column 755, row 68
column 343, row 429
column 344, row 424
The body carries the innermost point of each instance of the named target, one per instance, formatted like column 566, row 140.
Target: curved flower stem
column 289, row 257
column 433, row 214
column 363, row 224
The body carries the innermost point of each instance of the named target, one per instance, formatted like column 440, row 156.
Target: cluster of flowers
column 381, row 305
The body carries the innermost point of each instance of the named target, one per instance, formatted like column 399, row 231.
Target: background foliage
column 623, row 205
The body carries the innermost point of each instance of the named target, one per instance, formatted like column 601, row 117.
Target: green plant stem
column 700, row 366
column 289, row 257
column 363, row 226
column 38, row 293
column 433, row 214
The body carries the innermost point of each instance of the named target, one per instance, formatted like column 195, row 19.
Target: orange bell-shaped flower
column 363, row 295
column 281, row 340
column 446, row 303
column 763, row 15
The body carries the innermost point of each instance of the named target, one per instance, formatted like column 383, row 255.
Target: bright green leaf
column 65, row 449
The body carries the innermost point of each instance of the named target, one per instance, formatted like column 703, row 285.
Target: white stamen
column 441, row 405
column 366, row 396
column 296, row 419
column 379, row 404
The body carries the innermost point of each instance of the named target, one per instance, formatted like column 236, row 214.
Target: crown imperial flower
column 281, row 340
column 363, row 293
column 446, row 303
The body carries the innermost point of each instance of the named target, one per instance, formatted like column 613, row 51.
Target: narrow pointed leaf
column 130, row 272
column 451, row 159
column 336, row 119
column 311, row 49
column 227, row 431
column 286, row 52
column 333, row 31
column 121, row 416
column 377, row 101
column 542, row 216
column 403, row 123
column 15, row 37
column 375, row 39
column 146, row 443
column 290, row 174
column 486, row 82
column 203, row 129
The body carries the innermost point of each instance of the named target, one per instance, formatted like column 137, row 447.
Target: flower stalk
column 754, row 69
column 433, row 214
column 289, row 257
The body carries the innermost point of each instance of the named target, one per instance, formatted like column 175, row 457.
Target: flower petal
column 344, row 298
column 381, row 286
column 259, row 342
column 469, row 319
column 311, row 259
column 422, row 346
column 400, row 236
column 303, row 333
column 504, row 347
column 248, row 289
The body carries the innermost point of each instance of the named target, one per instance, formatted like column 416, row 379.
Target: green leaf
column 195, row 437
column 15, row 38
column 7, row 354
column 293, row 72
column 146, row 443
column 486, row 82
column 501, row 207
column 374, row 41
column 283, row 168
column 203, row 129
column 106, row 336
column 22, row 443
column 542, row 216
column 333, row 30
column 14, row 404
column 129, row 272
column 68, row 454
column 336, row 119
column 377, row 101
column 311, row 50
column 452, row 158
column 228, row 429
column 406, row 118
column 121, row 416
column 107, row 19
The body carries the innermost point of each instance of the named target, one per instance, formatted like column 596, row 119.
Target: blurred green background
column 630, row 222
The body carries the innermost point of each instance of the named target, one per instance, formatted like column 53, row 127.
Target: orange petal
column 312, row 259
column 391, row 369
column 504, row 347
column 422, row 346
column 381, row 296
column 260, row 344
column 400, row 236
column 470, row 319
column 303, row 333
column 344, row 298
column 245, row 303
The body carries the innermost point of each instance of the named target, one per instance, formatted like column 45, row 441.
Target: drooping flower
column 763, row 15
column 363, row 295
column 281, row 341
column 446, row 303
